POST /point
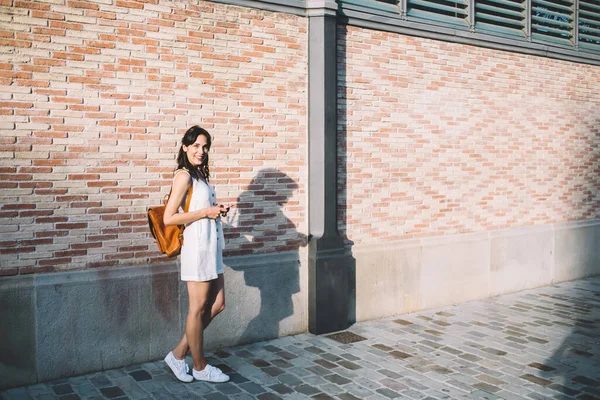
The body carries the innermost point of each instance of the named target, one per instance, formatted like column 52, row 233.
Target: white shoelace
column 181, row 366
column 212, row 372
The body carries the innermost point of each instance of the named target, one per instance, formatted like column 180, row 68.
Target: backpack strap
column 189, row 193
column 189, row 197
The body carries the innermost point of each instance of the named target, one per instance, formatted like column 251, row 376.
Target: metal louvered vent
column 505, row 16
column 451, row 11
column 552, row 20
column 589, row 23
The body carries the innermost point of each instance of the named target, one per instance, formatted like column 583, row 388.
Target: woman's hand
column 224, row 209
column 213, row 212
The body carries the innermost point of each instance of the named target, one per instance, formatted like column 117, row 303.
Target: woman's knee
column 198, row 293
column 196, row 310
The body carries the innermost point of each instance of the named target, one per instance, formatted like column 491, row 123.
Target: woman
column 201, row 253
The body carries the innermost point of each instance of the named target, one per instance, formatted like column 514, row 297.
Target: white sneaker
column 179, row 368
column 210, row 374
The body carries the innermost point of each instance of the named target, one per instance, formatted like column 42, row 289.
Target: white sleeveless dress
column 202, row 250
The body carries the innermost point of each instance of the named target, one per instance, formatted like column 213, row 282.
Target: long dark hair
column 200, row 172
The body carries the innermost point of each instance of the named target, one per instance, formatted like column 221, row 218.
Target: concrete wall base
column 70, row 323
column 413, row 275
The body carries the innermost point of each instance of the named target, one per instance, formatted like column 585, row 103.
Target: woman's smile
column 197, row 152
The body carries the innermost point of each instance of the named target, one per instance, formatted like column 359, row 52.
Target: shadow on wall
column 260, row 219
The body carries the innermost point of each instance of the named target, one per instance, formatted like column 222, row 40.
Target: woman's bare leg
column 216, row 304
column 198, row 293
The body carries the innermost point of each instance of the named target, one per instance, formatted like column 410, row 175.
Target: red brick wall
column 94, row 97
column 438, row 138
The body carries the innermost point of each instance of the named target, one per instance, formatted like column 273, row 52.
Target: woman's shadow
column 259, row 226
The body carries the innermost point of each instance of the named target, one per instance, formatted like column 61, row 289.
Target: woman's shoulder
column 183, row 176
column 184, row 170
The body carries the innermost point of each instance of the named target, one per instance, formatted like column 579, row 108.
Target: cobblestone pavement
column 538, row 344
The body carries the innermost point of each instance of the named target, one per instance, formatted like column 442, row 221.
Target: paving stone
column 62, row 389
column 87, row 390
column 481, row 394
column 227, row 388
column 536, row 379
column 349, row 365
column 16, row 394
column 383, row 347
column 114, row 373
column 325, row 364
column 273, row 371
column 337, row 379
column 490, row 379
column 215, row 396
column 289, row 379
column 317, row 370
column 399, row 354
column 331, row 389
column 112, row 392
column 503, row 394
column 413, row 394
column 281, row 363
column 314, row 380
column 281, row 389
column 536, row 396
column 294, row 396
column 140, row 375
column 321, row 396
column 348, row 396
column 306, row 389
column 47, row 396
column 591, row 390
column 563, row 389
column 460, row 385
column 237, row 378
column 586, row 381
column 264, row 379
column 331, row 357
column 260, row 363
column 588, row 397
column 394, row 385
column 390, row 394
column 487, row 387
column 100, row 381
column 299, row 372
column 350, row 357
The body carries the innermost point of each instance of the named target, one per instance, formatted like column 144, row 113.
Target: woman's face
column 197, row 151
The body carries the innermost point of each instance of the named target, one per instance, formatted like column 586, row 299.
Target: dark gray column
column 328, row 264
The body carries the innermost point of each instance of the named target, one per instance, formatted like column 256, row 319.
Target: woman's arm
column 181, row 183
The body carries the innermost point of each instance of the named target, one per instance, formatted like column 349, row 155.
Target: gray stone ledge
column 99, row 274
column 367, row 248
column 522, row 230
column 577, row 224
column 261, row 260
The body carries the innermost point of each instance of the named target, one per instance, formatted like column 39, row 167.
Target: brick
column 129, row 4
column 83, row 4
column 410, row 134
